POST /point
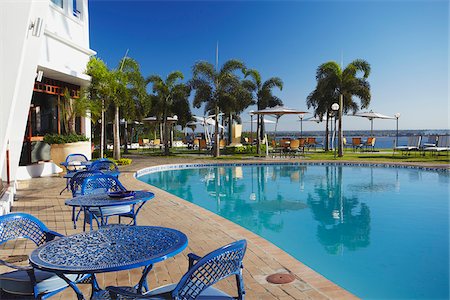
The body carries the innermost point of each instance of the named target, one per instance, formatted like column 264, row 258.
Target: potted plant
column 69, row 141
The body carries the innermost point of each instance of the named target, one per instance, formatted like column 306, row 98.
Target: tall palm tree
column 216, row 88
column 169, row 96
column 322, row 107
column 344, row 84
column 264, row 97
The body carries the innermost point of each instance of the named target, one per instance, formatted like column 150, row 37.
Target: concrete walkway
column 205, row 230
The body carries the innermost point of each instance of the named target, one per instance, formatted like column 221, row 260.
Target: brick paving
column 205, row 230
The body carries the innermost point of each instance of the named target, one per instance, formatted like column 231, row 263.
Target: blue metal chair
column 104, row 183
column 26, row 281
column 73, row 163
column 104, row 165
column 197, row 282
column 76, row 183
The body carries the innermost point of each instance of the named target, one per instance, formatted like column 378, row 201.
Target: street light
column 301, row 116
column 251, row 126
column 397, row 115
column 334, row 108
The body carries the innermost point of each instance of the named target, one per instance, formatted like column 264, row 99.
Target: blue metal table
column 109, row 249
column 96, row 202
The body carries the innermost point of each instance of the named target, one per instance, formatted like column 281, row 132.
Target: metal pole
column 396, row 136
column 251, row 128
column 301, row 127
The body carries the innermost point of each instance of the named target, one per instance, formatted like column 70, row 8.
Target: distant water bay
column 385, row 139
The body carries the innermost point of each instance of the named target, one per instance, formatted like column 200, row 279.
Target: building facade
column 44, row 49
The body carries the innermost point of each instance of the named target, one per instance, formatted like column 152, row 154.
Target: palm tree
column 169, row 96
column 136, row 100
column 322, row 107
column 344, row 84
column 264, row 97
column 216, row 88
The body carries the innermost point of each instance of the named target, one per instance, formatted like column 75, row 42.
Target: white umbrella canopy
column 266, row 121
column 173, row 119
column 278, row 111
column 370, row 115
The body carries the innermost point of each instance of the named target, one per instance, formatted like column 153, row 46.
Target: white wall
column 19, row 56
column 61, row 50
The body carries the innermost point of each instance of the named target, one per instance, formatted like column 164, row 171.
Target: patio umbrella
column 278, row 111
column 372, row 115
column 266, row 121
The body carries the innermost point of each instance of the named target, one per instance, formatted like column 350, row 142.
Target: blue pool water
column 381, row 233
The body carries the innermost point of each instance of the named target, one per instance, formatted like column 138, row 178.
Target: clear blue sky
column 406, row 43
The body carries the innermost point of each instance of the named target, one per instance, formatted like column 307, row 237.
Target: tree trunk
column 258, row 141
column 216, row 134
column 327, row 135
column 230, row 128
column 125, row 138
column 102, row 133
column 166, row 135
column 116, row 132
column 341, row 134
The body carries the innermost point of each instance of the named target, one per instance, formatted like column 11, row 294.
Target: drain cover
column 280, row 278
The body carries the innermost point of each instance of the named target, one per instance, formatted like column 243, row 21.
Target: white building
column 44, row 49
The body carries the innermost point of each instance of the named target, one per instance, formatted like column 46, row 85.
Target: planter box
column 59, row 152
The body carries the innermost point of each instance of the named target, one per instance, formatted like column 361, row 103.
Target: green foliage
column 170, row 97
column 123, row 161
column 64, row 138
column 247, row 149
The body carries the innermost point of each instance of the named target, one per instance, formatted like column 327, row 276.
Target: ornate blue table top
column 111, row 248
column 101, row 200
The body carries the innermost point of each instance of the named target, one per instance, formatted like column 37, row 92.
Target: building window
column 58, row 3
column 76, row 9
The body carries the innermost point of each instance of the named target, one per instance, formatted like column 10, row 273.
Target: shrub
column 64, row 139
column 124, row 161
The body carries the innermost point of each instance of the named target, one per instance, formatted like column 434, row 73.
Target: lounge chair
column 356, row 143
column 443, row 144
column 196, row 283
column 370, row 143
column 413, row 145
column 294, row 147
column 25, row 281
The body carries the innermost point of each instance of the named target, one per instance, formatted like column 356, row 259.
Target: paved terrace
column 205, row 230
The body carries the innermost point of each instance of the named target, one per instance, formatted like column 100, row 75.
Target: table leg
column 143, row 282
column 72, row 285
column 96, row 290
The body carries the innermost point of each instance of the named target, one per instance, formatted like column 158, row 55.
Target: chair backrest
column 77, row 180
column 295, row 144
column 371, row 141
column 414, row 141
column 103, row 164
column 211, row 268
column 311, row 140
column 203, row 145
column 20, row 225
column 344, row 141
column 302, row 142
column 443, row 141
column 356, row 141
column 432, row 139
column 101, row 183
column 76, row 157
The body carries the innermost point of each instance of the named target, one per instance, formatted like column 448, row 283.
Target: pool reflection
column 248, row 197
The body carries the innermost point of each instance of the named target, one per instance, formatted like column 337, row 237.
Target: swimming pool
column 379, row 232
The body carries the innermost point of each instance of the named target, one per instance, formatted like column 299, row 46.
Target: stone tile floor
column 205, row 230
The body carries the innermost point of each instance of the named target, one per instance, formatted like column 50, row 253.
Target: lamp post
column 335, row 108
column 251, row 126
column 301, row 116
column 397, row 115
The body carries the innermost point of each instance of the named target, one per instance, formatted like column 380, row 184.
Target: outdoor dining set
column 61, row 261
